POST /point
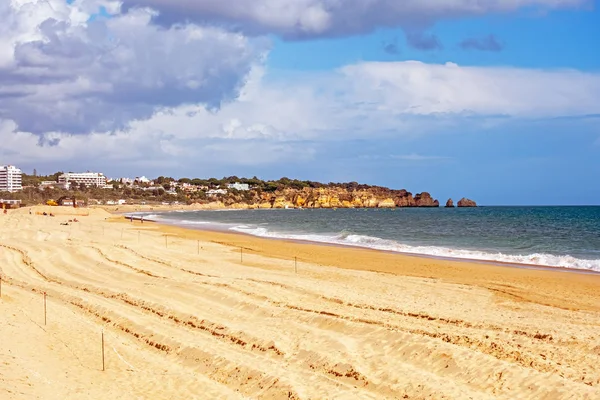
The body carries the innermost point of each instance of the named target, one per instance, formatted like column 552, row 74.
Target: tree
column 271, row 187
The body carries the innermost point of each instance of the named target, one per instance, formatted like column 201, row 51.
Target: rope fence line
column 128, row 235
column 138, row 235
column 104, row 333
column 45, row 328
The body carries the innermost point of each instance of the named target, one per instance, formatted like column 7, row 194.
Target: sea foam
column 370, row 242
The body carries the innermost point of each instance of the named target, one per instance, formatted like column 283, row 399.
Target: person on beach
column 142, row 219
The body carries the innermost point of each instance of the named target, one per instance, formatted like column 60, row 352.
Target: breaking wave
column 348, row 239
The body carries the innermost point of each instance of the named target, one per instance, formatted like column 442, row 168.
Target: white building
column 87, row 178
column 52, row 185
column 142, row 179
column 239, row 186
column 215, row 192
column 10, row 178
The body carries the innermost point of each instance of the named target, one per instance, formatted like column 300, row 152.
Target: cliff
column 330, row 197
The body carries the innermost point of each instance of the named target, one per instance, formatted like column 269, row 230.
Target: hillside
column 257, row 193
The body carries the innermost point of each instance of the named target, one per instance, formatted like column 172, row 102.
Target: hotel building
column 10, row 178
column 87, row 178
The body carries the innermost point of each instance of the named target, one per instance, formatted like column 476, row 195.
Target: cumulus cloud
column 295, row 19
column 486, row 43
column 61, row 71
column 284, row 119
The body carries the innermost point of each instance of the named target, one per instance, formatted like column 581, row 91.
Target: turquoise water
column 548, row 236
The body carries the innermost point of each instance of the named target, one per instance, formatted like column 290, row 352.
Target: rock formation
column 464, row 202
column 424, row 200
column 449, row 204
column 329, row 197
column 387, row 203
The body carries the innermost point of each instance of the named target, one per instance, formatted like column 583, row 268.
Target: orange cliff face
column 330, row 197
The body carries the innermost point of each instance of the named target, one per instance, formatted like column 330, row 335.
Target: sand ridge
column 191, row 317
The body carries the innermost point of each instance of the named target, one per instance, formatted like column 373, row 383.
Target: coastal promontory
column 229, row 192
column 329, row 197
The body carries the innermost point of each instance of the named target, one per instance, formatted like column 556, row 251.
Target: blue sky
column 557, row 39
column 499, row 102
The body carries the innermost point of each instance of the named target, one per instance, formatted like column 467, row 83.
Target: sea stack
column 464, row 202
column 449, row 204
column 425, row 200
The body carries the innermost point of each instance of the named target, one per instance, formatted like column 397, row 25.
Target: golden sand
column 208, row 315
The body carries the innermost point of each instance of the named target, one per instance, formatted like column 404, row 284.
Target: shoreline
column 537, row 285
column 342, row 245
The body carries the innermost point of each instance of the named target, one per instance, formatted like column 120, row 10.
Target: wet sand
column 187, row 314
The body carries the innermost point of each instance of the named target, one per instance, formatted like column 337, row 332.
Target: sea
column 566, row 237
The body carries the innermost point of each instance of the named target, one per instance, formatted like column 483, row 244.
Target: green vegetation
column 157, row 193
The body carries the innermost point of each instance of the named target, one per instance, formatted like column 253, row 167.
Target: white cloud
column 310, row 18
column 61, row 71
column 280, row 118
column 422, row 89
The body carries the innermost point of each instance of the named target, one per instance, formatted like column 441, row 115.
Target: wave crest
column 348, row 239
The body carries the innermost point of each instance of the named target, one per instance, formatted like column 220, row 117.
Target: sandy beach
column 191, row 314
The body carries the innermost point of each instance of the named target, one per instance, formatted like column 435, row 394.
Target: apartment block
column 87, row 178
column 10, row 178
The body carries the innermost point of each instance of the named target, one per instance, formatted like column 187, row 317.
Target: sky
column 498, row 101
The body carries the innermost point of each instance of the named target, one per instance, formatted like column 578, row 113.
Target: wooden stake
column 44, row 308
column 198, row 247
column 241, row 255
column 102, row 349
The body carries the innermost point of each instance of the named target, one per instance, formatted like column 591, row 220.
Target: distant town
column 96, row 188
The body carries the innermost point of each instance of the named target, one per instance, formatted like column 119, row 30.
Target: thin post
column 296, row 264
column 241, row 254
column 44, row 308
column 198, row 247
column 102, row 349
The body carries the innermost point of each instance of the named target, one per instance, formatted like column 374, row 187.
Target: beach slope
column 186, row 314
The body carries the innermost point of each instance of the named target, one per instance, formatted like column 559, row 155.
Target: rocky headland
column 331, row 197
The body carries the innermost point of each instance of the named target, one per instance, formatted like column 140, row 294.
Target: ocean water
column 545, row 236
